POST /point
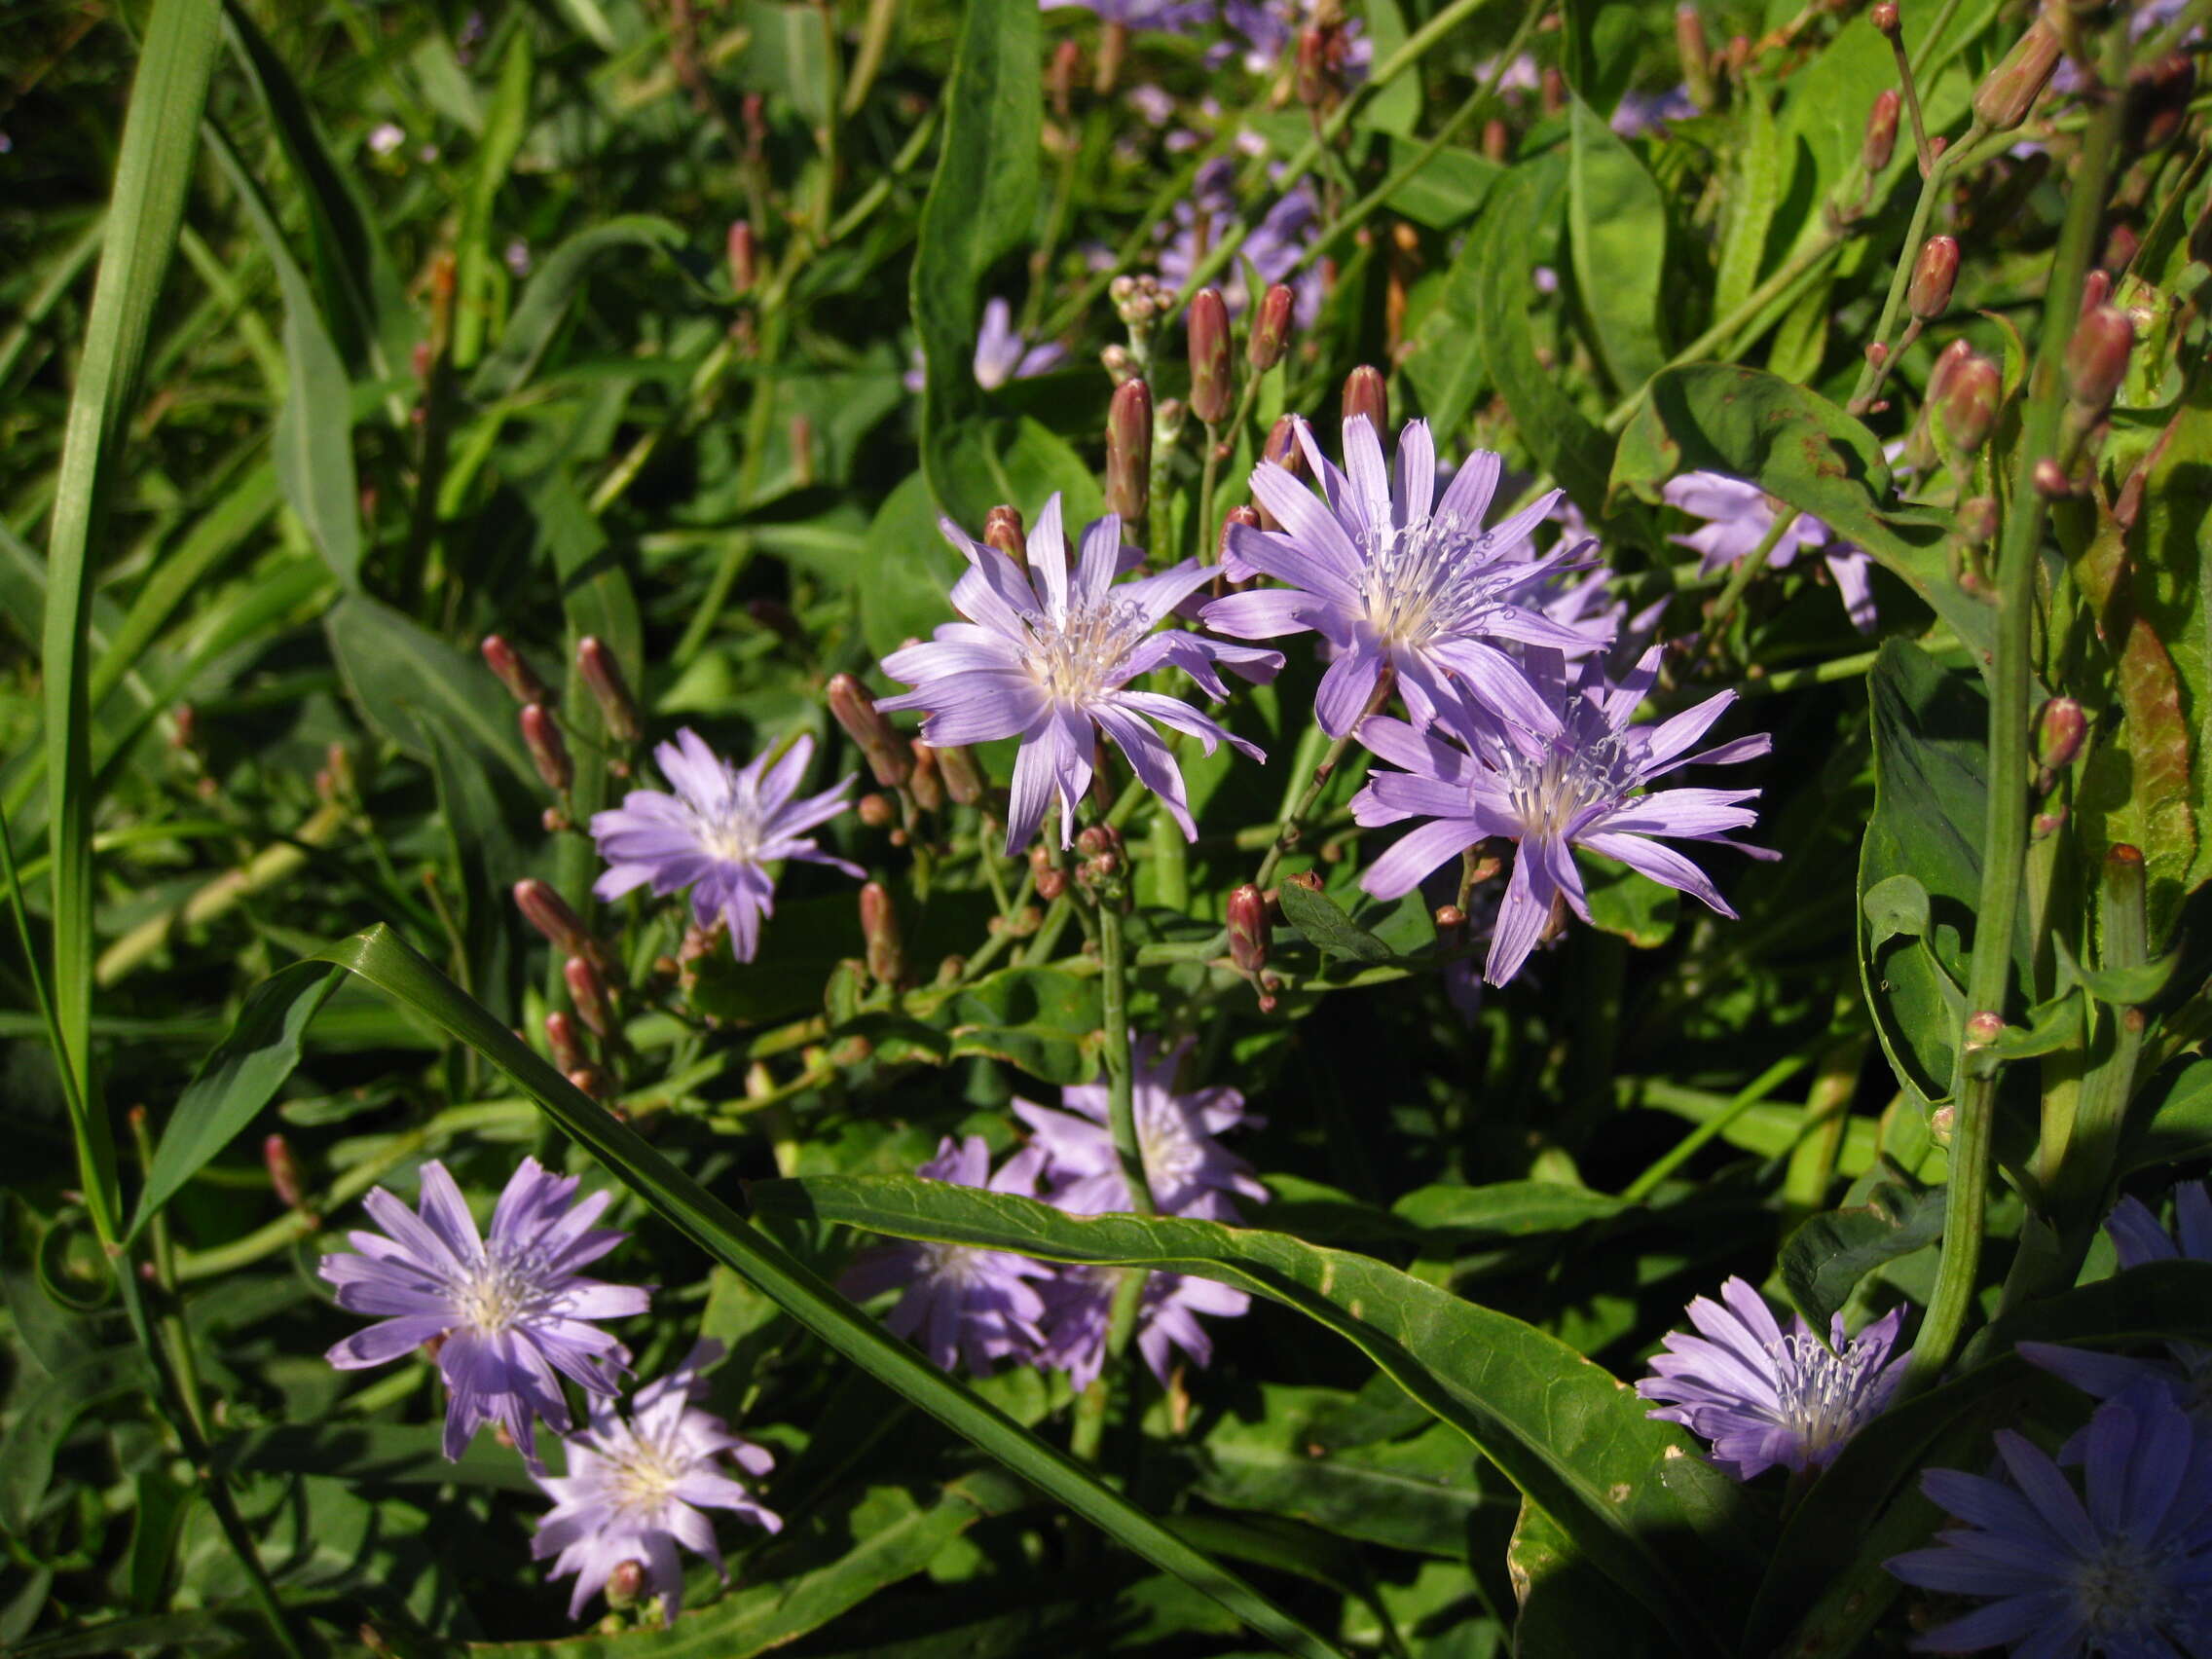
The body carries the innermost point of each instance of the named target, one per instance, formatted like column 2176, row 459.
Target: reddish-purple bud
column 548, row 749
column 888, row 758
column 1969, row 400
column 1365, row 394
column 2051, row 480
column 1249, row 930
column 1978, row 519
column 1129, row 451
column 963, row 778
column 1695, row 53
column 1003, row 529
column 2096, row 288
column 284, row 1177
column 1271, row 328
column 626, row 1585
column 1061, row 79
column 1983, row 1029
column 1243, row 514
column 1312, row 68
column 550, row 914
column 926, row 787
column 589, row 993
column 1205, row 326
column 2010, row 91
column 876, row 811
column 2096, row 358
column 2060, row 727
column 1885, row 18
column 567, row 1048
column 1934, row 275
column 590, row 1080
column 1881, row 141
column 1551, row 89
column 744, row 264
column 879, row 926
column 517, row 676
column 603, row 676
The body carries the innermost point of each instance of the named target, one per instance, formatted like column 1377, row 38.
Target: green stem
column 1209, row 470
column 1680, row 1153
column 1121, row 1078
column 1745, row 573
column 1090, row 1427
column 2086, row 1173
column 1931, row 187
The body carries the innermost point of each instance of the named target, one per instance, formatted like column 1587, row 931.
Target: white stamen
column 1824, row 1393
column 1079, row 658
column 1422, row 582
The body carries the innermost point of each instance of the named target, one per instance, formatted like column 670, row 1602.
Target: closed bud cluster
column 1881, row 141
column 879, row 926
column 927, row 788
column 1451, row 926
column 1207, row 334
column 1129, row 451
column 888, row 758
column 517, row 676
column 2051, row 480
column 1885, row 18
column 1003, row 529
column 1366, row 394
column 2010, row 91
column 1141, row 302
column 1934, row 275
column 284, row 1177
column 566, row 1047
column 1052, row 880
column 548, row 751
column 2096, row 358
column 1271, row 328
column 602, row 677
column 588, row 992
column 1248, row 929
column 1983, row 1029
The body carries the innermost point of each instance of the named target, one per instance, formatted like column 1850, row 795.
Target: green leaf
column 237, row 1080
column 372, row 1455
column 1750, row 203
column 1805, row 451
column 392, row 666
column 1628, row 902
column 44, row 1420
column 553, row 288
column 1044, row 1020
column 1327, row 928
column 1829, row 1254
column 1568, row 1609
column 2175, row 1124
column 786, row 57
column 1505, row 1209
column 1655, row 1518
column 1450, row 188
column 1894, row 905
column 155, row 1632
column 481, row 279
column 1444, row 362
column 1618, row 224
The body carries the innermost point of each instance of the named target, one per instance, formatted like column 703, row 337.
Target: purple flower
column 635, row 1487
column 1394, row 577
column 1741, row 514
column 1274, row 248
column 1190, row 1174
column 717, row 834
column 1046, row 654
column 2128, row 1575
column 507, row 1312
column 2186, row 1374
column 1271, row 29
column 1170, row 16
column 1575, row 787
column 1763, row 1396
column 1640, row 113
column 966, row 1302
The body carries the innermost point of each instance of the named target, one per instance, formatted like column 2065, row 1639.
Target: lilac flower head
column 1273, row 247
column 1271, row 29
column 1576, row 787
column 635, row 1487
column 1047, row 655
column 1168, row 16
column 1741, row 514
column 1640, row 113
column 965, row 1303
column 717, row 834
column 2127, row 1576
column 1765, row 1397
column 1394, row 577
column 508, row 1312
column 2185, row 1374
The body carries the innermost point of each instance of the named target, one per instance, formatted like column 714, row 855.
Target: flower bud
column 589, row 993
column 1695, row 54
column 1881, row 141
column 1129, row 451
column 1885, row 18
column 1271, row 328
column 1284, row 448
column 1205, row 325
column 284, row 1177
column 2096, row 358
column 2005, row 98
column 879, row 926
column 1366, row 394
column 548, row 751
column 1003, row 529
column 1093, row 840
column 626, row 1584
column 568, row 1049
column 1119, row 362
column 1968, row 408
column 1978, row 519
column 1248, row 929
column 591, row 1081
column 744, row 266
column 550, row 914
column 876, row 811
column 603, row 676
column 2096, row 288
column 1451, row 926
column 1060, row 81
column 1242, row 514
column 888, row 758
column 517, row 676
column 1932, row 275
column 1313, row 79
column 1983, row 1029
column 963, row 778
column 927, row 788
column 2059, row 729
column 1943, row 1123
column 2044, row 824
column 1551, row 89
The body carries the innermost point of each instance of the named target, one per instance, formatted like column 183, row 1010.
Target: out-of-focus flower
column 507, row 1312
column 1190, row 1174
column 1641, row 113
column 961, row 1303
column 718, row 834
column 1155, row 105
column 1272, row 249
column 636, row 1488
column 517, row 256
column 1741, row 514
column 1168, row 16
column 387, row 137
column 1584, row 602
column 1765, row 1397
column 1001, row 353
column 1047, row 655
column 2127, row 1576
column 2186, row 1374
column 1576, row 786
column 1271, row 27
column 1396, row 578
column 1521, row 74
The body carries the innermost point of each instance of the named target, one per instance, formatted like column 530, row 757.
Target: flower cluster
column 981, row 1306
column 1739, row 515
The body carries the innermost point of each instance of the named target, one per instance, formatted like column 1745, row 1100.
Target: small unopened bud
column 1060, row 81
column 590, row 1080
column 2096, row 358
column 184, row 726
column 1551, row 89
column 1696, row 55
column 548, row 751
column 1129, row 451
column 1284, row 448
column 2096, row 288
column 550, row 914
column 517, row 676
column 567, row 1048
column 603, row 676
column 1885, row 18
column 284, row 1177
column 876, row 811
column 1968, row 408
column 1119, row 362
column 744, row 266
column 1242, row 515
column 626, row 1584
column 2060, row 727
column 1051, row 882
column 1934, row 273
column 1983, row 1029
column 888, row 758
column 1940, row 1122
column 1095, row 839
column 2051, row 480
column 1877, row 353
column 1978, row 519
column 1271, row 328
column 963, row 778
column 926, row 787
column 1003, row 529
column 1312, row 68
column 1451, row 926
column 1881, row 141
column 2046, row 824
column 589, row 993
column 879, row 926
column 1205, row 332
column 1366, row 394
column 1249, row 930
column 2010, row 91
